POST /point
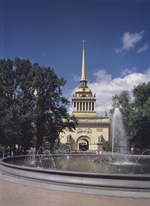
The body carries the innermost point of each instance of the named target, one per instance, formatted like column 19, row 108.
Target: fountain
column 118, row 133
column 119, row 171
column 82, row 169
column 84, row 162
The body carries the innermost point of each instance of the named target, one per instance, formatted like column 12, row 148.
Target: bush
column 107, row 146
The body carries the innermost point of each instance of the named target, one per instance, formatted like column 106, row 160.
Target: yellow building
column 92, row 130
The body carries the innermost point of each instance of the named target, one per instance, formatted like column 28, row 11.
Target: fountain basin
column 76, row 178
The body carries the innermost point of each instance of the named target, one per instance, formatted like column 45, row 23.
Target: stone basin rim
column 135, row 182
column 5, row 163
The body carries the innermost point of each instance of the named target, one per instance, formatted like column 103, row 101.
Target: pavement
column 16, row 191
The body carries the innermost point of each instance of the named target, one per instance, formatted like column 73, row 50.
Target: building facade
column 92, row 130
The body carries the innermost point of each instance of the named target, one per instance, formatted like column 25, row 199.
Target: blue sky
column 50, row 32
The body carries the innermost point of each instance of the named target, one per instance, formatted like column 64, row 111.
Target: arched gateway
column 92, row 130
column 83, row 143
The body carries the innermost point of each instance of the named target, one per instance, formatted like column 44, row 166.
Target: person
column 8, row 154
column 12, row 153
column 4, row 154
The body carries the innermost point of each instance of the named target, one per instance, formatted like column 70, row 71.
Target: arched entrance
column 83, row 144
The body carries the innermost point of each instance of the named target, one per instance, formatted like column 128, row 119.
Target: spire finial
column 83, row 76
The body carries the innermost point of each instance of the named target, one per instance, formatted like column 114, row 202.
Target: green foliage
column 31, row 104
column 107, row 146
column 136, row 114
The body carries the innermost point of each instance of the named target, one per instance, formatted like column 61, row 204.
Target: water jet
column 119, row 142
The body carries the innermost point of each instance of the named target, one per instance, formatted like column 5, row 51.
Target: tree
column 136, row 114
column 25, row 101
column 8, row 127
column 31, row 103
column 50, row 110
column 141, row 95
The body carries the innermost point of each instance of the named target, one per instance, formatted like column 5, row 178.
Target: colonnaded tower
column 92, row 130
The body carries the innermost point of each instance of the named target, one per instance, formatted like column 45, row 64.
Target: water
column 83, row 162
column 118, row 133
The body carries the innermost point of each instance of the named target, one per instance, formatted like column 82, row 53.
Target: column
column 75, row 106
column 92, row 106
column 84, row 106
column 87, row 106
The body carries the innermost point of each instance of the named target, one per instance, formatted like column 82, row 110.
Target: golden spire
column 83, row 75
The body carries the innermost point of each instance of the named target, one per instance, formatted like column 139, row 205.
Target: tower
column 92, row 130
column 83, row 101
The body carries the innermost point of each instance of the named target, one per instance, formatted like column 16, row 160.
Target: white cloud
column 101, row 75
column 76, row 78
column 105, row 87
column 143, row 48
column 129, row 41
column 127, row 71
